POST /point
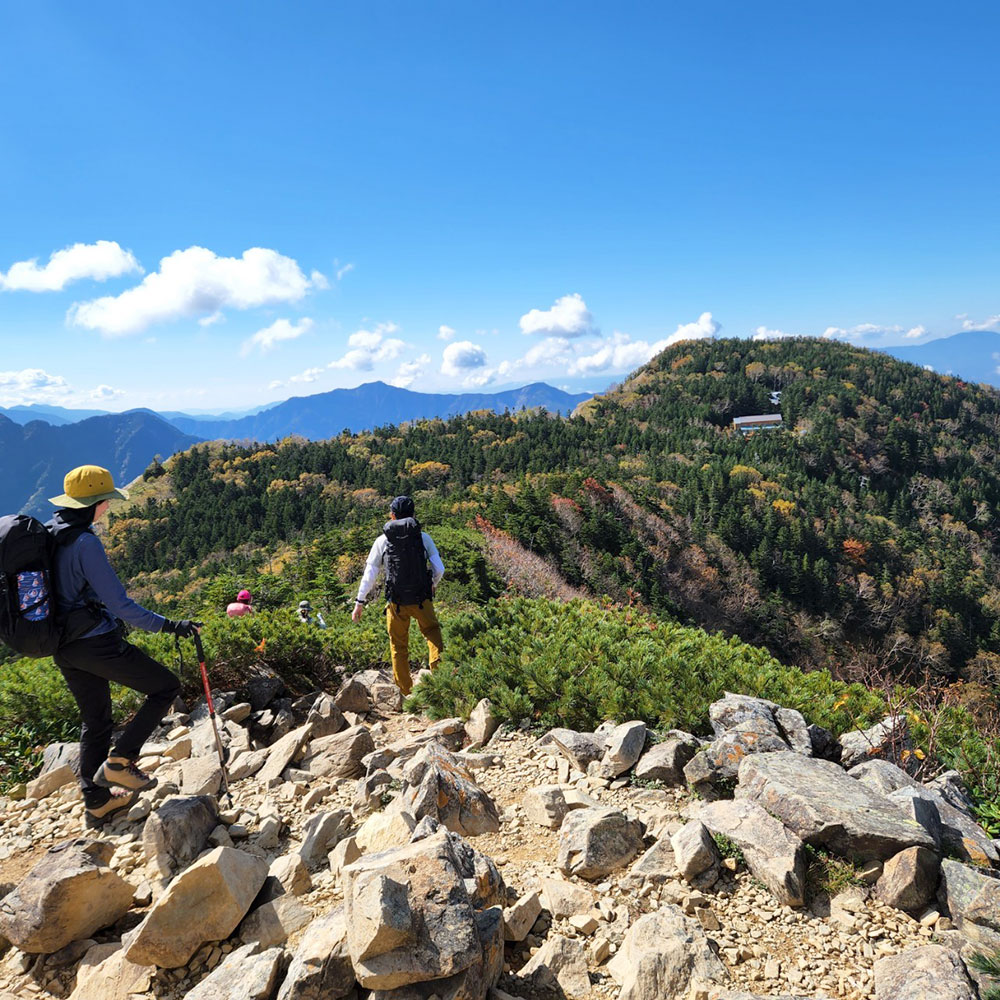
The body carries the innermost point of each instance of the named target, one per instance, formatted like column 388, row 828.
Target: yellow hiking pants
column 397, row 623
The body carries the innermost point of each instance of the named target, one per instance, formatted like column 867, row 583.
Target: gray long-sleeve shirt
column 84, row 575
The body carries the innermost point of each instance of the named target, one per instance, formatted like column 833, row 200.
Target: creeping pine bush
column 576, row 664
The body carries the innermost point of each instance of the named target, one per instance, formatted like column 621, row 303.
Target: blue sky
column 247, row 202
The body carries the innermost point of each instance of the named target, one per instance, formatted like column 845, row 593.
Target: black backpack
column 407, row 578
column 28, row 622
column 29, row 619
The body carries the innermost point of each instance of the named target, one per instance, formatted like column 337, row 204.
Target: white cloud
column 462, row 358
column 370, row 347
column 319, row 280
column 216, row 317
column 342, row 271
column 704, row 328
column 31, row 385
column 98, row 261
column 279, row 330
column 194, row 282
column 568, row 317
column 445, row 332
column 103, row 392
column 309, row 375
column 990, row 323
column 763, row 333
column 618, row 353
column 409, row 371
column 873, row 331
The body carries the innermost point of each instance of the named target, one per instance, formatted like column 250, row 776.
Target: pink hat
column 244, row 595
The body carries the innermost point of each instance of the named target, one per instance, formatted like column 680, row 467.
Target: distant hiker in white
column 403, row 553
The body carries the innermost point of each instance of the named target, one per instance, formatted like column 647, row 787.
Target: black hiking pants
column 88, row 666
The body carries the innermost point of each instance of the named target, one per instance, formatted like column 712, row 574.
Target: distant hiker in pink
column 241, row 606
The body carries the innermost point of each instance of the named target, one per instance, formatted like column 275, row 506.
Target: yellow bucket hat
column 87, row 485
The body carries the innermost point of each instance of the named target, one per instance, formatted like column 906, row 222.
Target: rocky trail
column 367, row 852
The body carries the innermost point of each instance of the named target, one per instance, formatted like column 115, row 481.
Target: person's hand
column 358, row 611
column 183, row 628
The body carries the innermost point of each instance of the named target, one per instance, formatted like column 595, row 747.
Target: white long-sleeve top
column 376, row 565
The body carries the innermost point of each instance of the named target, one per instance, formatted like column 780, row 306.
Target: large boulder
column 622, row 749
column 931, row 972
column 245, row 973
column 959, row 832
column 339, row 755
column 321, row 966
column 321, row 833
column 324, row 718
column 713, row 769
column 596, row 842
column 973, row 900
column 560, row 965
column 204, row 903
column 482, row 722
column 695, row 853
column 773, row 854
column 665, row 761
column 547, row 805
column 665, row 954
column 436, row 784
column 177, row 832
column 274, row 922
column 49, row 782
column 284, row 752
column 66, row 897
column 909, row 879
column 580, row 749
column 822, row 805
column 564, row 899
column 888, row 740
column 105, row 974
column 410, row 918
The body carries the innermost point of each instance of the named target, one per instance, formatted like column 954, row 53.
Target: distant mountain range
column 37, row 455
column 973, row 356
column 40, row 443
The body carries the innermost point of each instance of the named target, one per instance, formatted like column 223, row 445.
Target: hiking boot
column 121, row 772
column 118, row 800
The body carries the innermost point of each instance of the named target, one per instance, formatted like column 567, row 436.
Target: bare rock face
column 52, row 780
column 563, row 899
column 177, row 832
column 321, row 966
column 436, row 784
column 596, row 842
column 273, row 922
column 712, row 771
column 909, row 879
column 339, row 756
column 822, row 805
column 204, row 903
column 773, row 854
column 390, row 828
column 353, row 696
column 973, row 900
column 104, row 974
column 928, row 973
column 200, row 776
column 520, row 916
column 664, row 954
column 410, row 918
column 67, row 896
column 242, row 974
column 666, row 760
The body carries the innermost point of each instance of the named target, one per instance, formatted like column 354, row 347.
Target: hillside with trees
column 861, row 535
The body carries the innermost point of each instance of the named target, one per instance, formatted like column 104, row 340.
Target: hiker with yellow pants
column 409, row 559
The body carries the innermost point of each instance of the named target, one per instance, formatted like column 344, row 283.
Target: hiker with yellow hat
column 90, row 601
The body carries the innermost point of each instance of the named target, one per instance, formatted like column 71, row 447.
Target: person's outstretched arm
column 101, row 576
column 370, row 576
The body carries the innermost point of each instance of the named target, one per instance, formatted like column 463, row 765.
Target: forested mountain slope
column 862, row 535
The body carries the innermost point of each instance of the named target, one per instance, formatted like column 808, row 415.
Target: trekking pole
column 211, row 714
